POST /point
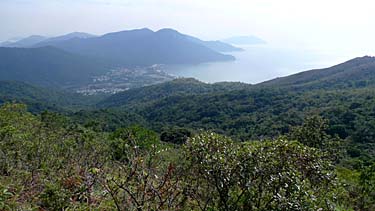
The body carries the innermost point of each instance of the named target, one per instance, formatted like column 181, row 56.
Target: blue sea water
column 262, row 62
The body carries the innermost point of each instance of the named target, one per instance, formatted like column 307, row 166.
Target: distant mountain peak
column 26, row 42
column 146, row 30
column 168, row 30
column 135, row 32
column 79, row 35
column 35, row 37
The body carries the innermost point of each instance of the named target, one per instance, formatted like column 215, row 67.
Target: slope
column 48, row 66
column 177, row 87
column 39, row 99
column 358, row 72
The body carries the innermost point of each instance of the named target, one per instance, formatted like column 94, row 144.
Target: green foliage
column 254, row 113
column 312, row 133
column 5, row 198
column 108, row 120
column 269, row 175
column 358, row 188
column 145, row 139
column 39, row 99
column 175, row 135
column 99, row 160
column 367, row 186
column 54, row 198
column 177, row 87
column 48, row 162
column 268, row 110
column 37, row 156
column 139, row 177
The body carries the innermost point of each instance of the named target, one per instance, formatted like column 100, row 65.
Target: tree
column 137, row 177
column 266, row 175
column 313, row 133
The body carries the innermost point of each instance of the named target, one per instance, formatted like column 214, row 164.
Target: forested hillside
column 177, row 87
column 267, row 109
column 39, row 99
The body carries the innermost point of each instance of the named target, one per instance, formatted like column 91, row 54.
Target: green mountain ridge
column 39, row 98
column 181, row 86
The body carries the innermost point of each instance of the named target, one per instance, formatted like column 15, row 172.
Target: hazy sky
column 313, row 23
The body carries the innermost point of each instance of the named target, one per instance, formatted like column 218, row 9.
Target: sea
column 258, row 63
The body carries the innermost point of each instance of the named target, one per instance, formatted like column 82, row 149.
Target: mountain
column 177, row 87
column 358, row 72
column 48, row 66
column 39, row 99
column 244, row 40
column 53, row 40
column 26, row 42
column 39, row 41
column 215, row 45
column 143, row 47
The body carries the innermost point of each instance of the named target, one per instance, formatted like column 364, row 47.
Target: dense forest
column 304, row 142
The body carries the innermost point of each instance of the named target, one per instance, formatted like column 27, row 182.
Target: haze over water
column 259, row 63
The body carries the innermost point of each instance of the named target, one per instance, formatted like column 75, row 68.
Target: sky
column 331, row 24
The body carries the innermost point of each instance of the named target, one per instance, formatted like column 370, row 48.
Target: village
column 122, row 79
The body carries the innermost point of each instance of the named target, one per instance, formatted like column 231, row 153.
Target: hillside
column 143, row 47
column 254, row 113
column 358, row 72
column 264, row 110
column 48, row 66
column 177, row 87
column 40, row 99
